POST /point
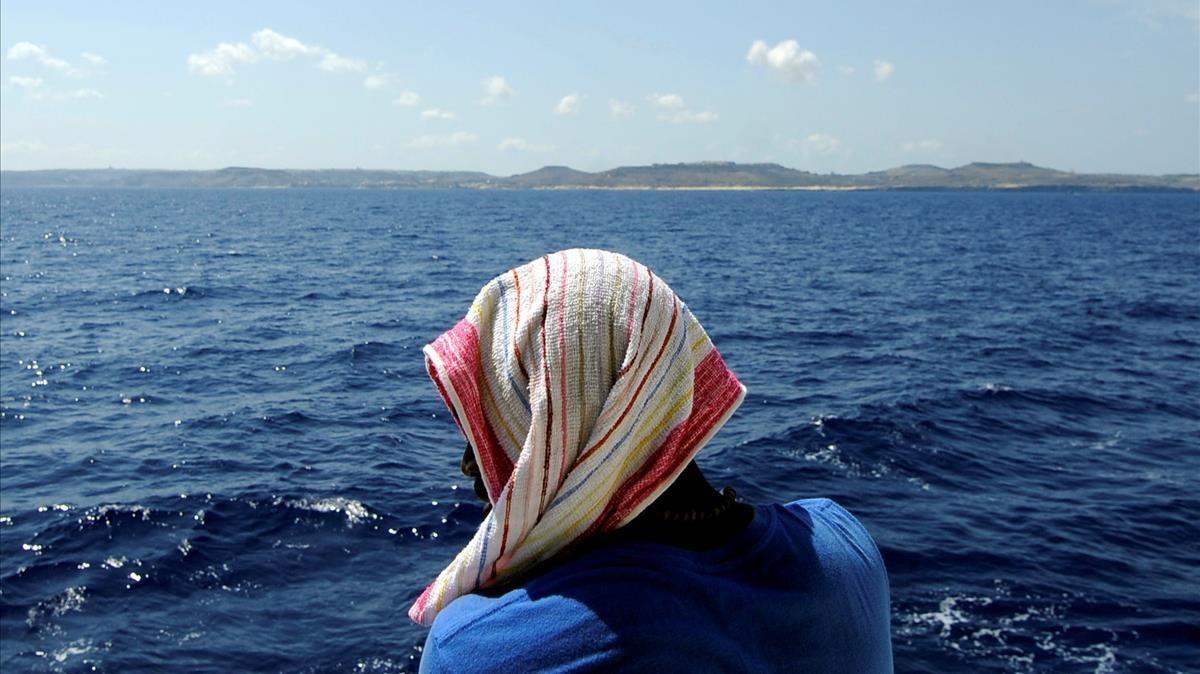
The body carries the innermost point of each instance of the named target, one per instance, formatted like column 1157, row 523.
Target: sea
column 219, row 449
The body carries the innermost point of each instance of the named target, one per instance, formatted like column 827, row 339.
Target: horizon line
column 1019, row 163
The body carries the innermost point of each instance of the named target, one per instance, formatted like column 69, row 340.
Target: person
column 585, row 388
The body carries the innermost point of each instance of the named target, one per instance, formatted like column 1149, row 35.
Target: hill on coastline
column 694, row 175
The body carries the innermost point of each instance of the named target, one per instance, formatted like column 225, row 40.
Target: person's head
column 583, row 386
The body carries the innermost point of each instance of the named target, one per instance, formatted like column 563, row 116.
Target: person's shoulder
column 814, row 505
column 494, row 634
column 820, row 509
column 478, row 617
column 471, row 611
column 845, row 582
column 827, row 518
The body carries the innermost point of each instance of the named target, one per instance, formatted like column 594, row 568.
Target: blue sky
column 1091, row 85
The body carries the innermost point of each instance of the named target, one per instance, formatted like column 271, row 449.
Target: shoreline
column 1144, row 189
column 697, row 176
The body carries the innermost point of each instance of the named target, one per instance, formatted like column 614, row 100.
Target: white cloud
column 687, row 116
column 619, row 108
column 333, row 63
column 516, row 144
column 568, row 104
column 281, row 47
column 798, row 65
column 25, row 82
column 221, row 59
column 674, row 110
column 407, row 98
column 820, row 144
column 94, row 59
column 377, row 81
column 34, row 90
column 1192, row 98
column 237, row 103
column 496, row 89
column 36, row 52
column 883, row 70
column 925, row 145
column 846, row 70
column 435, row 113
column 434, row 141
column 669, row 101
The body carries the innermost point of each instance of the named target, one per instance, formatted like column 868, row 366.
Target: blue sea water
column 219, row 450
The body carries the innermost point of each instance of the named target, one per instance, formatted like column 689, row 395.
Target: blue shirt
column 801, row 589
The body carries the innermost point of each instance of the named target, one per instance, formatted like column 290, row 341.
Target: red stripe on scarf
column 716, row 388
column 419, row 605
column 504, row 536
column 459, row 351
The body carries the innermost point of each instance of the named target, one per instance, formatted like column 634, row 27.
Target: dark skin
column 691, row 492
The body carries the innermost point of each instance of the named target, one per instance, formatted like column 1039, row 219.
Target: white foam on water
column 102, row 512
column 819, row 422
column 69, row 600
column 947, row 616
column 72, row 599
column 354, row 511
column 60, row 656
column 831, row 456
column 377, row 664
column 960, row 626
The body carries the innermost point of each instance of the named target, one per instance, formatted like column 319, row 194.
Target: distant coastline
column 711, row 175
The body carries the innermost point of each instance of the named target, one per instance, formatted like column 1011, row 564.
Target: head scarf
column 585, row 386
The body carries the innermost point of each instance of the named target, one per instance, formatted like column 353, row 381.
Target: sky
column 846, row 87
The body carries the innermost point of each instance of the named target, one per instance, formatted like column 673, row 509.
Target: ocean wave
column 319, row 296
column 1150, row 309
column 802, row 338
column 940, row 440
column 369, row 351
column 1027, row 632
column 69, row 600
column 57, row 658
column 171, row 292
column 354, row 511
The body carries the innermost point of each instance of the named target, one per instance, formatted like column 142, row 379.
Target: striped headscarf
column 585, row 386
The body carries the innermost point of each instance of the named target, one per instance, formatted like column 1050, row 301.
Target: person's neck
column 691, row 514
column 691, row 491
column 718, row 518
